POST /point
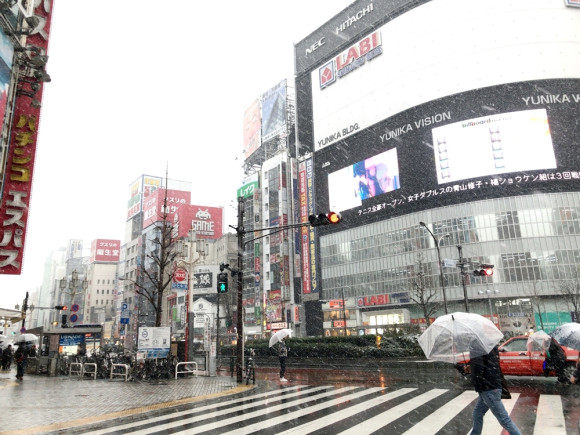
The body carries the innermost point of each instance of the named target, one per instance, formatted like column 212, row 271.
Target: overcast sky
column 140, row 86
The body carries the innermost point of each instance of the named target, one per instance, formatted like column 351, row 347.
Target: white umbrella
column 278, row 336
column 541, row 338
column 457, row 336
column 26, row 338
column 568, row 335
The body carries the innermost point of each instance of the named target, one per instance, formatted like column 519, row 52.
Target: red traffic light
column 334, row 218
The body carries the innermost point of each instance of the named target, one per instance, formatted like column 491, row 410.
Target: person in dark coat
column 7, row 357
column 282, row 355
column 21, row 358
column 556, row 360
column 486, row 379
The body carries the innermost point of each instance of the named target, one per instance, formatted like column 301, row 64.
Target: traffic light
column 61, row 307
column 484, row 270
column 329, row 218
column 63, row 321
column 222, row 285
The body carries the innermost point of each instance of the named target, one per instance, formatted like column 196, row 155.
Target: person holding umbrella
column 486, row 380
column 280, row 338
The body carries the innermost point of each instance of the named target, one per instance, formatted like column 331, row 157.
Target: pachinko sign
column 20, row 158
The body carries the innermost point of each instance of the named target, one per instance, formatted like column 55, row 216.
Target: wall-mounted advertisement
column 19, row 160
column 141, row 188
column 274, row 111
column 514, row 139
column 205, row 220
column 153, row 204
column 394, row 68
column 252, row 129
column 6, row 54
column 105, row 251
column 349, row 186
column 509, row 142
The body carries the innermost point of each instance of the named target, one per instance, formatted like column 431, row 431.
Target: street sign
column 74, row 308
column 448, row 262
column 124, row 320
column 74, row 318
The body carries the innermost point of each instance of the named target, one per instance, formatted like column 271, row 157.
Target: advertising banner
column 205, row 220
column 274, row 111
column 153, row 205
column 19, row 169
column 252, row 129
column 105, row 250
column 523, row 140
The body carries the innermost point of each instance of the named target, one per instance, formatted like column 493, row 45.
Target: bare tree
column 422, row 291
column 538, row 304
column 570, row 289
column 155, row 274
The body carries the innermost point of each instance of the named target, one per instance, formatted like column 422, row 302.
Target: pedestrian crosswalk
column 304, row 409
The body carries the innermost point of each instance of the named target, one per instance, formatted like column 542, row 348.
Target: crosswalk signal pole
column 240, row 275
column 461, row 265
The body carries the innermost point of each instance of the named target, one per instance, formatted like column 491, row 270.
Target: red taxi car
column 517, row 359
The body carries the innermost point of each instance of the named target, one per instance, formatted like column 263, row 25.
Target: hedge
column 337, row 347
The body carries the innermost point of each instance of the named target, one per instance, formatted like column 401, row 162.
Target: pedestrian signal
column 222, row 285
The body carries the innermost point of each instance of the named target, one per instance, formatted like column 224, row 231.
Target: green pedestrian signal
column 222, row 285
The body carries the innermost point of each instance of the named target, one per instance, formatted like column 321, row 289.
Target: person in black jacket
column 21, row 358
column 486, row 379
column 556, row 360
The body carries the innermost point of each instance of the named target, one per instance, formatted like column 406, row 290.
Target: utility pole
column 240, row 324
column 462, row 265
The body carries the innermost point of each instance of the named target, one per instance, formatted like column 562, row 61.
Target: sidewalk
column 42, row 404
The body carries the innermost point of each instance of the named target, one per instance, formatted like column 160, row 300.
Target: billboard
column 153, row 205
column 19, row 166
column 274, row 111
column 205, row 220
column 393, row 68
column 513, row 139
column 252, row 129
column 141, row 188
column 105, row 251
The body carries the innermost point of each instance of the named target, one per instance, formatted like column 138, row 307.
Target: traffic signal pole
column 330, row 218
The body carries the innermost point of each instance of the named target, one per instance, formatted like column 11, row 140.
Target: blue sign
column 124, row 307
column 70, row 339
column 124, row 320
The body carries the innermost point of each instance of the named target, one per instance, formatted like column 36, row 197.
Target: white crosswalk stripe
column 355, row 410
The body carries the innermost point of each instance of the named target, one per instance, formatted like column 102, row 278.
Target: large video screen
column 495, row 144
column 349, row 186
column 513, row 139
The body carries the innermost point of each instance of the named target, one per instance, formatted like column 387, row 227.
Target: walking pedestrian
column 556, row 360
column 21, row 358
column 282, row 355
column 7, row 357
column 486, row 379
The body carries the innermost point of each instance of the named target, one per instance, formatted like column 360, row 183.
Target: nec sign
column 315, row 46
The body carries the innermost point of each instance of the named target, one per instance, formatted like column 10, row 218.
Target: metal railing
column 188, row 370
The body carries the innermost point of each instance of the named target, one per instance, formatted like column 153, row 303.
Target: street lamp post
column 437, row 243
column 73, row 285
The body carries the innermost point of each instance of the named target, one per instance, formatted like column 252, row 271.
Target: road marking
column 369, row 426
column 344, row 414
column 440, row 417
column 550, row 416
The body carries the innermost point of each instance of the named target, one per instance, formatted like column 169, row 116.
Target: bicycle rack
column 75, row 369
column 125, row 373
column 90, row 369
column 189, row 371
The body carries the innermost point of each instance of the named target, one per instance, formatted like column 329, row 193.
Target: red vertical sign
column 20, row 160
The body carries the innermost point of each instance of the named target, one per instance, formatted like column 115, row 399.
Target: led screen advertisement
column 274, row 111
column 513, row 139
